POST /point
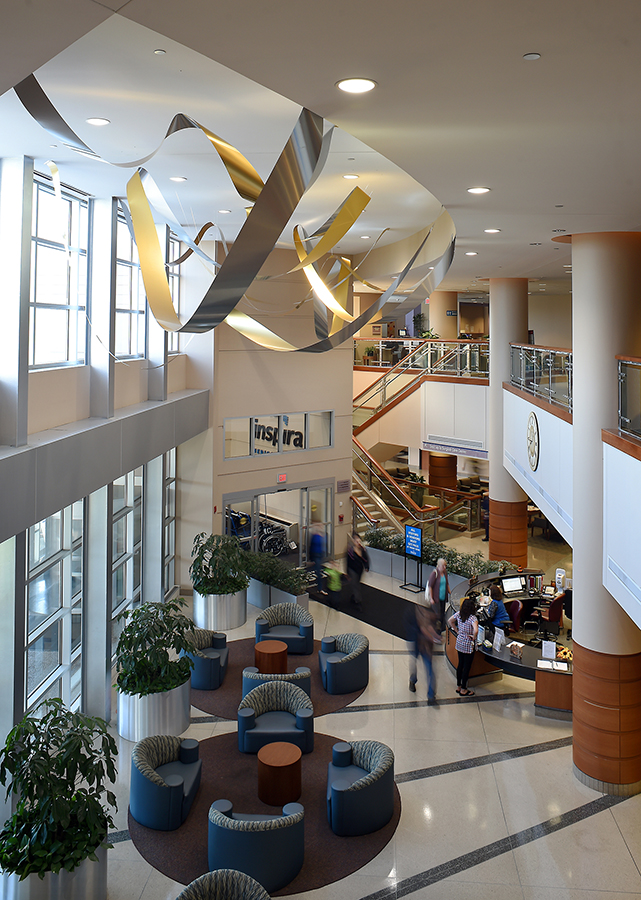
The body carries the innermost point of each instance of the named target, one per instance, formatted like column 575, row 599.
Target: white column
column 606, row 321
column 97, row 606
column 102, row 343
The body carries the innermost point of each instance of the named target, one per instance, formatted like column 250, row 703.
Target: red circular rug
column 231, row 775
column 224, row 702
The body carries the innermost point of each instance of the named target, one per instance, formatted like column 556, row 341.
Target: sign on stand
column 413, row 550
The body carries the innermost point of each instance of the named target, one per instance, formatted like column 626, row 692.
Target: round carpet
column 224, row 702
column 231, row 775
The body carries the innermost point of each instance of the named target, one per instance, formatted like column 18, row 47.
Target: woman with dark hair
column 467, row 627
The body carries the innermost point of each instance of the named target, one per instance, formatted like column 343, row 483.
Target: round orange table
column 279, row 779
column 270, row 657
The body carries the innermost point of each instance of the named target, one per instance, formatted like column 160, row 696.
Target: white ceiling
column 557, row 140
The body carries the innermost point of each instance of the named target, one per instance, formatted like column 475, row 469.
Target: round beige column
column 508, row 503
column 445, row 326
column 606, row 320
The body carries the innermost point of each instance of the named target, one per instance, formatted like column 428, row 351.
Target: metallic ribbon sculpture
column 274, row 202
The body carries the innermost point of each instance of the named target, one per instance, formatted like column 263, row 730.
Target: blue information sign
column 413, row 541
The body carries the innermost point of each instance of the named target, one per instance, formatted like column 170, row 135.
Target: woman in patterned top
column 467, row 628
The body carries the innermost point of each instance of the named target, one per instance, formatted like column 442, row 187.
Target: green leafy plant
column 273, row 571
column 145, row 655
column 57, row 763
column 417, row 479
column 217, row 565
column 369, row 351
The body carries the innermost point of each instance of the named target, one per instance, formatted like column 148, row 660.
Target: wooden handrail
column 376, row 465
column 358, row 503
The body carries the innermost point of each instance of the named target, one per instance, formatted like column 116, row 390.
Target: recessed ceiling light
column 356, row 85
column 365, row 237
column 558, row 231
column 351, row 158
column 96, row 120
column 471, row 253
column 478, row 190
column 536, row 244
column 160, row 52
column 531, row 56
column 224, row 212
column 53, row 145
column 558, row 206
column 350, row 177
column 177, row 178
column 567, row 265
column 492, row 230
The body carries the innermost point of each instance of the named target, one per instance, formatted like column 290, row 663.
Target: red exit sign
column 282, row 478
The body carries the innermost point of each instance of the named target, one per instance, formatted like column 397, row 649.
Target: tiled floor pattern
column 490, row 806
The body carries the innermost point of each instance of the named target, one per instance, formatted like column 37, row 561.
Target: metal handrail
column 525, row 359
column 363, row 511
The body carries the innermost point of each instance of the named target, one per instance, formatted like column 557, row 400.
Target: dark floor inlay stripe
column 206, row 720
column 413, row 704
column 491, row 851
column 117, row 837
column 400, row 652
column 487, row 760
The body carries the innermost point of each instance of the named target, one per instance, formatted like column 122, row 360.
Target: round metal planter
column 87, row 882
column 163, row 713
column 220, row 612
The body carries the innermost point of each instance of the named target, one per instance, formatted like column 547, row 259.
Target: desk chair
column 514, row 609
column 550, row 617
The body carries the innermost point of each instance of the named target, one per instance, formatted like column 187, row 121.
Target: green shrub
column 217, row 565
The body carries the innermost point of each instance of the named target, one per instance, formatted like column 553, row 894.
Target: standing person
column 357, row 560
column 317, row 555
column 467, row 628
column 420, row 625
column 333, row 579
column 437, row 591
column 485, row 514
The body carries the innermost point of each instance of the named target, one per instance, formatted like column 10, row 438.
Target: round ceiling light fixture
column 492, row 230
column 159, row 52
column 177, row 178
column 224, row 212
column 97, row 121
column 471, row 253
column 478, row 190
column 356, row 85
column 531, row 56
column 365, row 237
column 350, row 177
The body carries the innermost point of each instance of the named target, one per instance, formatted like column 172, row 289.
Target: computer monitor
column 513, row 584
column 549, row 590
column 402, row 332
column 480, row 636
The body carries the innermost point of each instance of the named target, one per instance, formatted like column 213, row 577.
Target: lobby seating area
column 287, row 622
column 165, row 776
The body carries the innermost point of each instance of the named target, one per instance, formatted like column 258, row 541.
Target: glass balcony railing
column 543, row 371
column 630, row 396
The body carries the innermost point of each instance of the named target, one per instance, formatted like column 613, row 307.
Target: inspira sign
column 266, row 437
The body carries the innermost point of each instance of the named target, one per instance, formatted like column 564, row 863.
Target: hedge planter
column 258, row 593
column 279, row 596
column 88, row 881
column 164, row 713
column 220, row 612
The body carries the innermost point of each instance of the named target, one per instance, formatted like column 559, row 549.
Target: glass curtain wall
column 126, row 555
column 169, row 523
column 131, row 301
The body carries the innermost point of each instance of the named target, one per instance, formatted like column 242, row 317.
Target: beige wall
column 445, row 326
column 247, row 381
column 551, row 319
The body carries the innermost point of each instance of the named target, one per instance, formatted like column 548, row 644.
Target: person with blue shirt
column 498, row 614
column 437, row 591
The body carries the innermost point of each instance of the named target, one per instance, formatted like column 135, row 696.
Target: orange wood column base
column 508, row 531
column 607, row 716
column 443, row 470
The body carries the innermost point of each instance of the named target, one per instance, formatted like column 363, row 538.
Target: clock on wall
column 533, row 441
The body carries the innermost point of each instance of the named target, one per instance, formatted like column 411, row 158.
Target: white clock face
column 533, row 441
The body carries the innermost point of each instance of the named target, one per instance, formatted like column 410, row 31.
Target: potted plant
column 369, row 352
column 153, row 684
column 259, row 567
column 57, row 763
column 416, row 493
column 273, row 581
column 288, row 585
column 220, row 582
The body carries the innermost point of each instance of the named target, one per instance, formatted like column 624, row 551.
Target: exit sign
column 451, row 312
column 282, row 478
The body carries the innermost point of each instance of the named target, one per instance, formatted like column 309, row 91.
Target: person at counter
column 466, row 625
column 497, row 614
column 437, row 591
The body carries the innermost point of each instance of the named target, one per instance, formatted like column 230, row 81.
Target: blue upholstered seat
column 267, row 848
column 210, row 659
column 344, row 663
column 275, row 711
column 360, row 787
column 224, row 884
column 287, row 622
column 252, row 678
column 165, row 777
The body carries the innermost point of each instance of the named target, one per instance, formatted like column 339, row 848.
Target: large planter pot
column 220, row 612
column 258, row 593
column 279, row 596
column 380, row 561
column 87, row 882
column 164, row 713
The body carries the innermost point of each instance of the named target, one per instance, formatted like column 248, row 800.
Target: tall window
column 131, row 301
column 53, row 664
column 126, row 529
column 173, row 276
column 169, row 522
column 58, row 302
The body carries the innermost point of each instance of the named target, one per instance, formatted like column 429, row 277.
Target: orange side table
column 270, row 657
column 279, row 773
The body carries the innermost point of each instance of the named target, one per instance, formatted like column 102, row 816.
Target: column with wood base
column 508, row 531
column 607, row 720
column 442, row 469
